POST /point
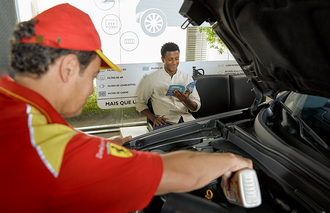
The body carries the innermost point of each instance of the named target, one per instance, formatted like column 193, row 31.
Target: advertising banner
column 117, row 90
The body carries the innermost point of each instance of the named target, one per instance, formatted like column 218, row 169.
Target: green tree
column 213, row 39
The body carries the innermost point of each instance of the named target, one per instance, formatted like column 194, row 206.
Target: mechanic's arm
column 120, row 140
column 185, row 171
column 158, row 121
column 184, row 97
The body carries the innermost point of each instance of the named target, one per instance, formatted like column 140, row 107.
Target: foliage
column 213, row 39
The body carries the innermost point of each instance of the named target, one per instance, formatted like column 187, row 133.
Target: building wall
column 7, row 23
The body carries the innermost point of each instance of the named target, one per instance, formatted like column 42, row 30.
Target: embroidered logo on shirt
column 101, row 149
column 118, row 151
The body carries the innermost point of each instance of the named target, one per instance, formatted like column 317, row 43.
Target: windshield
column 313, row 110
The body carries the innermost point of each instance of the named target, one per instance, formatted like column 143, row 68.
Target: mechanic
column 168, row 110
column 47, row 165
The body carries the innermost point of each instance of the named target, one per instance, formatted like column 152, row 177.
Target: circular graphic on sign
column 111, row 24
column 153, row 22
column 129, row 41
column 104, row 4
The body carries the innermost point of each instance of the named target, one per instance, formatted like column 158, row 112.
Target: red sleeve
column 98, row 175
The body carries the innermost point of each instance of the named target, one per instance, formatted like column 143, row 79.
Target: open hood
column 279, row 44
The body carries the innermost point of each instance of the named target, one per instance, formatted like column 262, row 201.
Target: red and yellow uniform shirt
column 48, row 166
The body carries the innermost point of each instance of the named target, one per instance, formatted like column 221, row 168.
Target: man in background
column 47, row 165
column 168, row 110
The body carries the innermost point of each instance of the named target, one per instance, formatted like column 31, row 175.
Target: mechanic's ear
column 69, row 65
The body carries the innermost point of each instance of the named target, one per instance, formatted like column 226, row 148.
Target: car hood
column 279, row 44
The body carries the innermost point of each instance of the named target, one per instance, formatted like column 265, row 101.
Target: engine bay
column 287, row 177
column 274, row 198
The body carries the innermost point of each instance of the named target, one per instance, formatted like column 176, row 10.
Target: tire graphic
column 153, row 22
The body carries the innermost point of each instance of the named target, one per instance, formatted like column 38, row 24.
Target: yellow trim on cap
column 106, row 60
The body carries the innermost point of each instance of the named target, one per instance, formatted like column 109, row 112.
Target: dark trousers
column 167, row 124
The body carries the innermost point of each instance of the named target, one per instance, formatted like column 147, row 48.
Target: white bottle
column 244, row 189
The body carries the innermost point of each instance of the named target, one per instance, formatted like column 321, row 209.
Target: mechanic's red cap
column 65, row 26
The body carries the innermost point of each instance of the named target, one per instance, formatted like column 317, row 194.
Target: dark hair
column 35, row 59
column 169, row 46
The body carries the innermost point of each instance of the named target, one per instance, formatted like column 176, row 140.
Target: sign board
column 117, row 90
column 131, row 31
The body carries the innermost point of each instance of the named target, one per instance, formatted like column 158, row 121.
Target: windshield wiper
column 304, row 127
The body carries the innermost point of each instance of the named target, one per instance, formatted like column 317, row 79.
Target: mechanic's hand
column 182, row 96
column 120, row 140
column 159, row 121
column 241, row 163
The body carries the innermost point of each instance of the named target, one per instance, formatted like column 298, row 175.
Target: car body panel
column 280, row 45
